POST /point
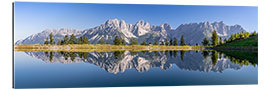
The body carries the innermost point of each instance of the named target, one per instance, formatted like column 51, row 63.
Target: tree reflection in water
column 144, row 60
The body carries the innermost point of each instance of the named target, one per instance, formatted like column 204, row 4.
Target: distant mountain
column 193, row 32
column 39, row 38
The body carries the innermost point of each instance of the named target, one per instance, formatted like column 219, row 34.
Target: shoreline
column 103, row 47
column 247, row 49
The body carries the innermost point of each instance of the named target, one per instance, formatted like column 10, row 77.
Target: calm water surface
column 125, row 68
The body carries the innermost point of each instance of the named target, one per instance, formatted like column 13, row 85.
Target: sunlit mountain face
column 142, row 61
column 142, row 30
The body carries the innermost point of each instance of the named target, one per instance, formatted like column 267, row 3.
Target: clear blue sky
column 32, row 18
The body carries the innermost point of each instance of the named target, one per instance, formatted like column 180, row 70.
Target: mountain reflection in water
column 142, row 61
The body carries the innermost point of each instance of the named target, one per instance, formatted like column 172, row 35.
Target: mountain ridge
column 141, row 30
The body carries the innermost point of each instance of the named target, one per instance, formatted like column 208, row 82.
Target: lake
column 130, row 68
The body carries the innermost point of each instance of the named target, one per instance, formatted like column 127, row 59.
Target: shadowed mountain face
column 193, row 32
column 119, row 61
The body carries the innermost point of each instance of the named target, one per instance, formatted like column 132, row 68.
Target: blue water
column 109, row 69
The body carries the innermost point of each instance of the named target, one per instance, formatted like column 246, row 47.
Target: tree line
column 167, row 42
column 215, row 40
column 67, row 40
column 117, row 41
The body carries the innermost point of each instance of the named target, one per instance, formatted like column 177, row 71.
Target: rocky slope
column 193, row 32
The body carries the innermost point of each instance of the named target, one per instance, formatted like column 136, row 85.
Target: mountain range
column 193, row 32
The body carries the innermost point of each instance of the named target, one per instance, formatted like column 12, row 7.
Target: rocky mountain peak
column 166, row 26
column 142, row 23
column 194, row 32
column 112, row 22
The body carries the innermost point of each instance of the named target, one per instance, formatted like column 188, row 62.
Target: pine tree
column 133, row 41
column 59, row 42
column 46, row 41
column 225, row 40
column 171, row 42
column 183, row 40
column 144, row 42
column 66, row 39
column 85, row 40
column 175, row 42
column 123, row 42
column 205, row 41
column 72, row 39
column 253, row 34
column 214, row 38
column 237, row 36
column 166, row 42
column 232, row 37
column 80, row 41
column 220, row 41
column 51, row 39
column 162, row 43
column 246, row 34
column 101, row 41
column 242, row 35
column 117, row 41
column 156, row 42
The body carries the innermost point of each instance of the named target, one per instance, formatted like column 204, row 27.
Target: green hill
column 251, row 42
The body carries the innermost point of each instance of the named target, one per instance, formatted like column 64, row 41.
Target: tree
column 232, row 37
column 46, row 41
column 66, row 39
column 72, row 39
column 246, row 34
column 175, row 42
column 214, row 57
column 101, row 41
column 144, row 42
column 242, row 35
column 205, row 41
column 183, row 40
column 156, row 42
column 253, row 34
column 85, row 40
column 225, row 40
column 117, row 41
column 51, row 39
column 123, row 42
column 59, row 42
column 162, row 43
column 133, row 41
column 80, row 41
column 214, row 38
column 220, row 41
column 166, row 42
column 182, row 55
column 171, row 42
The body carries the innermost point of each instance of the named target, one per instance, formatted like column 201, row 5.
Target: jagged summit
column 141, row 30
column 166, row 26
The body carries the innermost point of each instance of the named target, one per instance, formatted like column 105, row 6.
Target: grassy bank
column 247, row 44
column 90, row 47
